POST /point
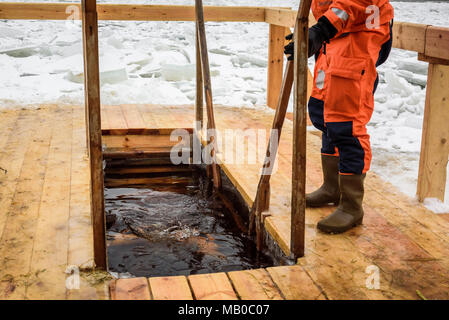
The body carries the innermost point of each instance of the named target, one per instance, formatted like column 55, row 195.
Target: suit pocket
column 344, row 88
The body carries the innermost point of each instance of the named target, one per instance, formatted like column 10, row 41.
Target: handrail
column 129, row 12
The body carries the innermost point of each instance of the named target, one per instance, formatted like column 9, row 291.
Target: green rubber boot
column 350, row 211
column 329, row 192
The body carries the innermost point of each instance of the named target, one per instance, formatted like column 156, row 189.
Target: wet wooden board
column 295, row 284
column 132, row 116
column 254, row 285
column 44, row 204
column 131, row 289
column 17, row 240
column 214, row 286
column 170, row 288
column 52, row 231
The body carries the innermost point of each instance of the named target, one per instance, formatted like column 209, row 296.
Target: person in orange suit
column 350, row 39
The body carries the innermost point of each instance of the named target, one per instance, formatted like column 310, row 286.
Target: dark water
column 175, row 227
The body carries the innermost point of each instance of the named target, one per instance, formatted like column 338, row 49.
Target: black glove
column 321, row 32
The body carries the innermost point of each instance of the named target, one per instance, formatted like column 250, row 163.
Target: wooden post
column 93, row 123
column 298, row 205
column 201, row 30
column 275, row 64
column 199, row 85
column 435, row 135
column 262, row 200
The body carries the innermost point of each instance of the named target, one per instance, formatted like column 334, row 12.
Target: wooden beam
column 435, row 136
column 284, row 17
column 93, row 123
column 423, row 57
column 130, row 12
column 437, row 42
column 275, row 64
column 409, row 36
column 130, row 289
column 207, row 83
column 199, row 85
column 298, row 204
column 262, row 200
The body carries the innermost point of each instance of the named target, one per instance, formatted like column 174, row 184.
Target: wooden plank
column 275, row 135
column 113, row 289
column 201, row 34
column 254, row 285
column 152, row 169
column 115, row 183
column 104, row 119
column 409, row 36
column 143, row 132
column 147, row 116
column 12, row 158
column 49, row 258
column 133, row 12
column 284, row 17
column 80, row 252
column 131, row 289
column 199, row 99
column 170, row 288
column 20, row 218
column 298, row 206
column 275, row 64
column 214, row 286
column 132, row 116
column 433, row 60
column 8, row 120
column 116, row 119
column 437, row 42
column 294, row 283
column 435, row 135
column 138, row 141
column 93, row 123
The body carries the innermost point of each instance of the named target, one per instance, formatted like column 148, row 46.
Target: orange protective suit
column 345, row 77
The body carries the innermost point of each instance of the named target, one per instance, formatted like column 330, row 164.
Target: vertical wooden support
column 275, row 64
column 262, row 200
column 298, row 205
column 93, row 123
column 201, row 30
column 199, row 85
column 435, row 135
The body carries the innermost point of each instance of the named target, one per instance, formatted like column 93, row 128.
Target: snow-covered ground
column 153, row 62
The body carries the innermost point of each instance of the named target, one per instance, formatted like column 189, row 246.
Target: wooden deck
column 409, row 244
column 45, row 220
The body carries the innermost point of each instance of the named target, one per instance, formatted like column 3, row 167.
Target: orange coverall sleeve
column 345, row 14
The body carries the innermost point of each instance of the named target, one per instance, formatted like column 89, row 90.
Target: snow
column 153, row 62
column 436, row 205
